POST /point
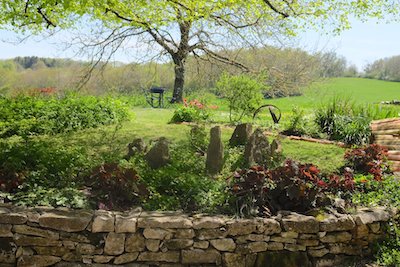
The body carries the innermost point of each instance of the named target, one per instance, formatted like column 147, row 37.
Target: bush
column 371, row 159
column 182, row 184
column 192, row 111
column 300, row 125
column 293, row 186
column 40, row 163
column 114, row 187
column 385, row 192
column 297, row 123
column 243, row 93
column 25, row 116
column 346, row 121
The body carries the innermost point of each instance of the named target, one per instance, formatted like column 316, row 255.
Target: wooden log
column 388, row 142
column 385, row 121
column 394, row 152
column 384, row 132
column 395, row 164
column 386, row 137
column 385, row 126
column 394, row 157
column 392, row 147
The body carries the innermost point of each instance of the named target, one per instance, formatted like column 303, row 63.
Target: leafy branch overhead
column 204, row 29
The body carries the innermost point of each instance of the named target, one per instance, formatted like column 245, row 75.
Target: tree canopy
column 181, row 28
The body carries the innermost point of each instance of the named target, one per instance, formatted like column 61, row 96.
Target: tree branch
column 48, row 21
column 269, row 4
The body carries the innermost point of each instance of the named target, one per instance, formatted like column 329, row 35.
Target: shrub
column 341, row 184
column 300, row 124
column 293, row 186
column 297, row 186
column 389, row 250
column 297, row 123
column 182, row 184
column 251, row 187
column 371, row 159
column 192, row 111
column 114, row 187
column 243, row 94
column 26, row 116
column 373, row 192
column 346, row 121
column 40, row 163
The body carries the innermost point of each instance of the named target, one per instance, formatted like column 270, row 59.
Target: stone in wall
column 68, row 221
column 103, row 221
column 300, row 223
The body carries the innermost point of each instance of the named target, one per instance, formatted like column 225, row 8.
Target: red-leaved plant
column 10, row 180
column 294, row 186
column 368, row 160
column 114, row 187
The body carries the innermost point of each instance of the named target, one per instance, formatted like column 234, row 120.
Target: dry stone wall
column 62, row 237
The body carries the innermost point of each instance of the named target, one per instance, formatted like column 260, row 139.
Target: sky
column 362, row 44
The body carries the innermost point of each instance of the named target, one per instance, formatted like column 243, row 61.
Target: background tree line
column 384, row 69
column 284, row 71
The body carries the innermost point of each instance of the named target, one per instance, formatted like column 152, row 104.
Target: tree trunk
column 177, row 96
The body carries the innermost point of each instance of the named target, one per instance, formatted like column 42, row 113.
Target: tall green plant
column 242, row 92
column 344, row 120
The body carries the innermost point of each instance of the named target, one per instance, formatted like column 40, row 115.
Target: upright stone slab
column 241, row 134
column 257, row 149
column 215, row 152
column 158, row 156
column 136, row 147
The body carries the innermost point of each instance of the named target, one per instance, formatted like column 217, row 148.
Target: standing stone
column 257, row 149
column 215, row 152
column 136, row 147
column 241, row 134
column 158, row 156
column 276, row 147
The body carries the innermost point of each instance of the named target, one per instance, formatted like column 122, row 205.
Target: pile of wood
column 387, row 133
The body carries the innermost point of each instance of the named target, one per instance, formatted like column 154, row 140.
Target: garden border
column 65, row 237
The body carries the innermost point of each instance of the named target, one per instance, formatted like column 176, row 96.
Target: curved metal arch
column 274, row 116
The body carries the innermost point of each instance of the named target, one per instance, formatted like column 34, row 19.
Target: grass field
column 359, row 90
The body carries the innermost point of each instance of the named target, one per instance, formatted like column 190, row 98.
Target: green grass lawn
column 151, row 124
column 364, row 91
